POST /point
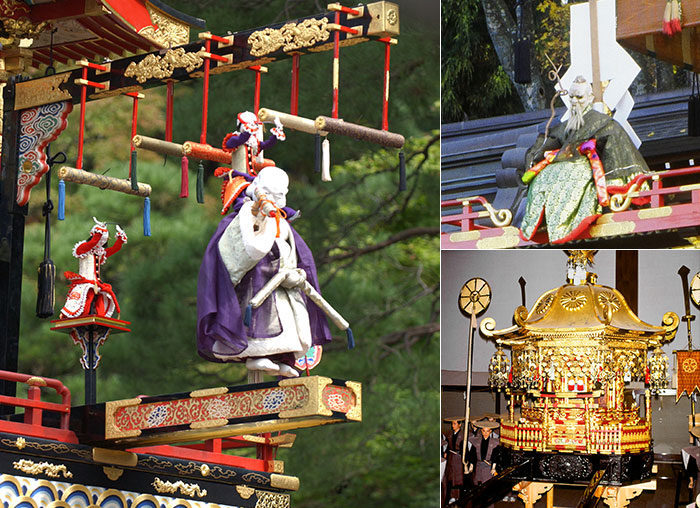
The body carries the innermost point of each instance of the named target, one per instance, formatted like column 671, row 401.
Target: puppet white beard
column 575, row 121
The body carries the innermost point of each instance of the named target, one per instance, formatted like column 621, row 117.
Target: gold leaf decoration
column 187, row 489
column 573, row 300
column 290, row 37
column 162, row 67
column 34, row 468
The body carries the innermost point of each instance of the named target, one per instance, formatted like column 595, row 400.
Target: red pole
column 385, row 99
column 205, row 96
column 81, row 131
column 294, row 107
column 336, row 66
column 134, row 119
column 169, row 112
column 256, row 105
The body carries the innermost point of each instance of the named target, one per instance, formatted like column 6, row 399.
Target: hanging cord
column 46, row 283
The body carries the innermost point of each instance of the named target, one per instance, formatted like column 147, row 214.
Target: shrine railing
column 471, row 214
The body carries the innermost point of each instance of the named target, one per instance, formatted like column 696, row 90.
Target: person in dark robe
column 455, row 479
column 576, row 168
column 485, row 443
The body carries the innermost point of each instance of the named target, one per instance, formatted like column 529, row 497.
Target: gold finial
column 579, row 260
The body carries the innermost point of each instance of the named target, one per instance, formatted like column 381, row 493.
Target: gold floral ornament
column 689, row 365
column 544, row 304
column 573, row 300
column 609, row 299
column 290, row 37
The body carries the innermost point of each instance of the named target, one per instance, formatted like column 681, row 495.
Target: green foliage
column 474, row 84
column 376, row 250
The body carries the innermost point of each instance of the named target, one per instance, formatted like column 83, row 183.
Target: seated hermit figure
column 576, row 168
column 256, row 254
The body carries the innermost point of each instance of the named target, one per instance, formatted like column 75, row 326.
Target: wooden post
column 12, row 218
column 595, row 56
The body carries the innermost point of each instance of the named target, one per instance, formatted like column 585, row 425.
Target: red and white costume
column 88, row 295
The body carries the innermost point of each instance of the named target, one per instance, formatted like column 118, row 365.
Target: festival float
column 258, row 301
column 487, row 208
column 568, row 419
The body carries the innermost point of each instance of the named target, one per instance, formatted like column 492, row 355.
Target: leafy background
column 376, row 249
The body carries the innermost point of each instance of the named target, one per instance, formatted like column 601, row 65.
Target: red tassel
column 185, row 178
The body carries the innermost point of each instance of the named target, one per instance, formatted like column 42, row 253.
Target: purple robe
column 221, row 305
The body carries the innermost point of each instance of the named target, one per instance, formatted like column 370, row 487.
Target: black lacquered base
column 578, row 468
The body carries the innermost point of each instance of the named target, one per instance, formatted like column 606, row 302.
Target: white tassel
column 326, row 161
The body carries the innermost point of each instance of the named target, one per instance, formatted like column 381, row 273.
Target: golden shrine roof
column 585, row 310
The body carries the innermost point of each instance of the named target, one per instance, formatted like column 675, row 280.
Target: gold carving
column 290, row 37
column 170, row 32
column 38, row 92
column 21, row 28
column 654, row 213
column 573, row 300
column 46, row 468
column 270, row 500
column 162, row 67
column 355, row 412
column 609, row 299
column 20, row 443
column 314, row 404
column 279, row 481
column 187, row 489
column 111, row 429
column 204, row 470
column 244, row 491
column 113, row 473
column 278, row 466
column 544, row 304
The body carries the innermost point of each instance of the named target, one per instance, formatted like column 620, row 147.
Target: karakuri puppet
column 257, row 296
column 247, row 143
column 88, row 295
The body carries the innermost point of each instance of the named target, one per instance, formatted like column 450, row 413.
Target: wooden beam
column 627, row 276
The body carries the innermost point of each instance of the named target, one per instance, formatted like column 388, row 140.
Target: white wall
column 660, row 291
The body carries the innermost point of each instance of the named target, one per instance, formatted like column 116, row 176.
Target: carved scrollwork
column 46, row 468
column 520, row 315
column 290, row 37
column 187, row 489
column 670, row 322
column 162, row 67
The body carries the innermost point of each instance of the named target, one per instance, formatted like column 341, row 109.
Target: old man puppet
column 576, row 168
column 256, row 251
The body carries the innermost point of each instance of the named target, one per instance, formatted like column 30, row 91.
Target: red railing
column 33, row 405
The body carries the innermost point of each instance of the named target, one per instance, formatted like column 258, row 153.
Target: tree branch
column 353, row 252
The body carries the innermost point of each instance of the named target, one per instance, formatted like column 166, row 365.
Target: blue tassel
column 248, row 317
column 61, row 200
column 351, row 338
column 147, row 217
column 402, row 171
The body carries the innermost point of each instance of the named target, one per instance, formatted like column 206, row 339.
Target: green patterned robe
column 563, row 194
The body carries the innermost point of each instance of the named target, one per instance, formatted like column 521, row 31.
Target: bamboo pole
column 383, row 138
column 157, row 145
column 103, row 182
column 294, row 122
